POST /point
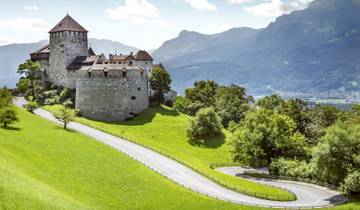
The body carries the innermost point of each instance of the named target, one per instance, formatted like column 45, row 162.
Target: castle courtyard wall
column 112, row 97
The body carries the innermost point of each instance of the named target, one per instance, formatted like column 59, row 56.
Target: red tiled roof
column 68, row 24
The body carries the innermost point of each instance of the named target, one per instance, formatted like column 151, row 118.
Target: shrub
column 64, row 95
column 49, row 101
column 68, row 103
column 205, row 124
column 193, row 108
column 50, row 93
column 352, row 183
column 290, row 168
column 181, row 104
column 168, row 103
column 31, row 106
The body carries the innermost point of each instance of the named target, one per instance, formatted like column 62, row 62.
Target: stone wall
column 64, row 48
column 112, row 97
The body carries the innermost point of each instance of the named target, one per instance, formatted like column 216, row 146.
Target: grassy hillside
column 44, row 167
column 164, row 130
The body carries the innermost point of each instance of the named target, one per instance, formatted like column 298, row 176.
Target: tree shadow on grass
column 212, row 142
column 10, row 128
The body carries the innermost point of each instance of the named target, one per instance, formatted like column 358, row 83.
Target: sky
column 144, row 24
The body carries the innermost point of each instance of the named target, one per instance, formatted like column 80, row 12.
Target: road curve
column 183, row 175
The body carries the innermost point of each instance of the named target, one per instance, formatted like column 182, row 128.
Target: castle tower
column 68, row 40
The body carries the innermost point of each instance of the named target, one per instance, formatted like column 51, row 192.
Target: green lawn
column 164, row 130
column 43, row 166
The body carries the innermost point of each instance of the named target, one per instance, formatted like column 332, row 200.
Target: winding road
column 308, row 196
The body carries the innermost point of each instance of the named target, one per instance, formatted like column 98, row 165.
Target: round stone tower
column 111, row 92
column 68, row 40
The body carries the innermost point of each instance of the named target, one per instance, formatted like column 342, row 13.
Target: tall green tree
column 338, row 153
column 231, row 104
column 272, row 102
column 203, row 92
column 160, row 81
column 31, row 70
column 265, row 135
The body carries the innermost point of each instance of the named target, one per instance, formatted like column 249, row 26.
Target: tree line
column 287, row 136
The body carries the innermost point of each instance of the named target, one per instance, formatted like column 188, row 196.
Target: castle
column 107, row 89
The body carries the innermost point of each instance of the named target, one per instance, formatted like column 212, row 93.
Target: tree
column 298, row 110
column 205, row 124
column 65, row 115
column 338, row 153
column 203, row 92
column 181, row 104
column 265, row 135
column 32, row 71
column 231, row 104
column 272, row 102
column 31, row 106
column 5, row 97
column 7, row 115
column 160, row 82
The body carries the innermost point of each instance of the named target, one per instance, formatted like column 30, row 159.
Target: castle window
column 105, row 73
column 142, row 73
column 130, row 62
column 89, row 73
column 139, row 88
column 124, row 73
column 133, row 97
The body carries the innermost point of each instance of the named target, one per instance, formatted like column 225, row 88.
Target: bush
column 68, row 103
column 168, row 103
column 290, row 168
column 31, row 106
column 181, row 104
column 193, row 108
column 352, row 183
column 50, row 94
column 49, row 101
column 64, row 95
column 205, row 124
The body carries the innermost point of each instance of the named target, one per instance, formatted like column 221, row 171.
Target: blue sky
column 145, row 24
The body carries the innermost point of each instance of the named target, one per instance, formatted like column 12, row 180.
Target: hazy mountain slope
column 189, row 42
column 313, row 50
column 14, row 54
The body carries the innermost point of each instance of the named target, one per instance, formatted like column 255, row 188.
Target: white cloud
column 137, row 11
column 237, row 1
column 4, row 40
column 34, row 7
column 277, row 7
column 24, row 24
column 201, row 5
column 216, row 28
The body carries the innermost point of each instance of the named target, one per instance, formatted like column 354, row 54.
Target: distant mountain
column 14, row 54
column 316, row 50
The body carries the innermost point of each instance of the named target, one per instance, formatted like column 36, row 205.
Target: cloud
column 25, row 24
column 137, row 11
column 237, row 1
column 4, row 40
column 201, row 5
column 34, row 7
column 277, row 7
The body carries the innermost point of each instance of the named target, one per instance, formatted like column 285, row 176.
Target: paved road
column 186, row 177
